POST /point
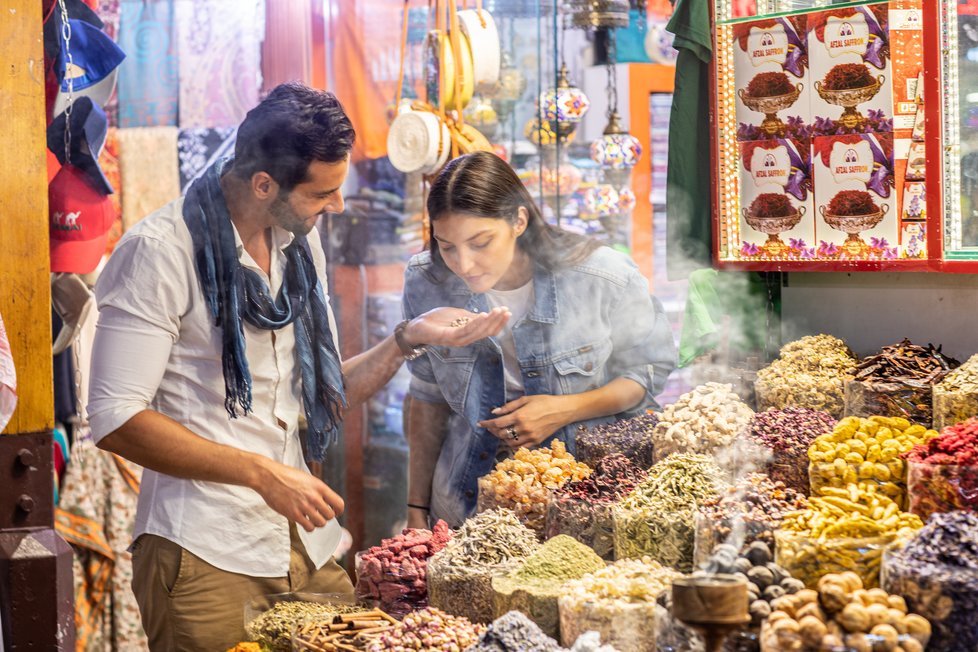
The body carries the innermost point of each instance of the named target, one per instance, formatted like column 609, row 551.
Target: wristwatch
column 409, row 352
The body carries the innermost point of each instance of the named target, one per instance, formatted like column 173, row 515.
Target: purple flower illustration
column 890, row 254
column 808, row 254
column 797, row 244
column 827, row 249
column 749, row 249
column 878, row 243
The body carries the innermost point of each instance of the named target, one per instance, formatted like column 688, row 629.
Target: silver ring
column 511, row 431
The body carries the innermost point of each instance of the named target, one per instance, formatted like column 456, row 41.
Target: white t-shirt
column 519, row 302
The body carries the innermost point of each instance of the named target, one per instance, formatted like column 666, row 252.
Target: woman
column 585, row 342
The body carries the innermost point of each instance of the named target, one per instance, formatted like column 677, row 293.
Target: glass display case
column 828, row 153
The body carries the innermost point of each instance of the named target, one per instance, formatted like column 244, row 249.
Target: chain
column 564, row 20
column 69, row 72
column 612, row 75
column 79, row 400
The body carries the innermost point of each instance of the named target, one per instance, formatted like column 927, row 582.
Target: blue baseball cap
column 93, row 54
column 88, row 131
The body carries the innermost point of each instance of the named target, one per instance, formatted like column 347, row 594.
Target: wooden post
column 35, row 563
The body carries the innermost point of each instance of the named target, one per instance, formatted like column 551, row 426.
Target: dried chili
column 846, row 76
column 771, row 204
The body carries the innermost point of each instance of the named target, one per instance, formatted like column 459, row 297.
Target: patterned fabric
column 110, row 11
column 200, row 148
column 108, row 160
column 151, row 178
column 96, row 516
column 148, row 78
column 220, row 60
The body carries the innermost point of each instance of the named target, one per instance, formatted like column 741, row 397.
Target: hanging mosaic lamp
column 509, row 89
column 599, row 13
column 616, row 149
column 562, row 180
column 564, row 106
column 481, row 114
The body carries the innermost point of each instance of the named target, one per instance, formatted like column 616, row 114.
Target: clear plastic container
column 668, row 538
column 934, row 488
column 626, row 626
column 947, row 596
column 809, row 559
column 465, row 591
column 538, row 602
column 591, row 523
column 741, row 532
column 825, row 393
column 865, row 399
column 953, row 407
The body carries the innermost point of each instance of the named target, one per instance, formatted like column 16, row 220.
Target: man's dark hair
column 289, row 129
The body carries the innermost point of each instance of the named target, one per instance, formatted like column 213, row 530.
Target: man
column 214, row 307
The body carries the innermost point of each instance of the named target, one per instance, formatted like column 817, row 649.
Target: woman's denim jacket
column 589, row 324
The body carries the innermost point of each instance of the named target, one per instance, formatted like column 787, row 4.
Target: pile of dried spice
column 956, row 397
column 514, row 632
column 769, row 84
column 460, row 576
column 656, row 518
column 943, row 473
column 810, row 373
column 273, row 628
column 534, row 585
column 847, row 76
column 430, row 629
column 703, row 420
column 786, row 434
column 771, row 204
column 583, row 509
column 394, row 573
column 898, row 382
column 525, row 482
column 749, row 511
column 937, row 574
column 618, row 602
column 630, row 437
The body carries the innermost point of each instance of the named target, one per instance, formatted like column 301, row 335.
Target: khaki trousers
column 189, row 605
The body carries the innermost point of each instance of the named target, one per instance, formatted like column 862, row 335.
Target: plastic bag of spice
column 618, row 602
column 526, row 482
column 393, row 575
column 942, row 488
column 956, row 397
column 865, row 399
column 593, row 524
column 534, row 586
column 898, row 382
column 937, row 574
column 583, row 509
column 808, row 559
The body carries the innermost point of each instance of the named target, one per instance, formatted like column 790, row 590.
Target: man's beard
column 287, row 218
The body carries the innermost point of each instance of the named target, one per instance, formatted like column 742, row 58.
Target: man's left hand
column 530, row 420
column 454, row 326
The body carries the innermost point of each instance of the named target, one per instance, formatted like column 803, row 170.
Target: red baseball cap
column 80, row 219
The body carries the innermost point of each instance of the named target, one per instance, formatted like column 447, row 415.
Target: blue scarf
column 234, row 293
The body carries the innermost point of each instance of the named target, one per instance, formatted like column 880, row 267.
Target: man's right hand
column 298, row 495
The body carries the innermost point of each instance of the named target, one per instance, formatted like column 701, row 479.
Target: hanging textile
column 199, row 148
column 110, row 12
column 688, row 192
column 220, row 60
column 286, row 54
column 151, row 176
column 108, row 160
column 366, row 61
column 148, row 79
column 96, row 516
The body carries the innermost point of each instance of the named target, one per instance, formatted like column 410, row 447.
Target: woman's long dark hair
column 481, row 184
